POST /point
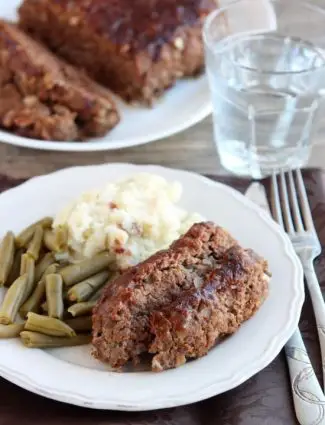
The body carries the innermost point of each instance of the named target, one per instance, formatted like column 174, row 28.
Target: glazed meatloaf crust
column 137, row 48
column 121, row 328
column 190, row 326
column 126, row 321
column 45, row 98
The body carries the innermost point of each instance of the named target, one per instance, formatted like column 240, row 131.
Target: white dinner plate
column 180, row 108
column 71, row 375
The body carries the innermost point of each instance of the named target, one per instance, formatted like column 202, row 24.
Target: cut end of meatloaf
column 43, row 97
column 137, row 48
column 28, row 117
column 121, row 319
column 190, row 326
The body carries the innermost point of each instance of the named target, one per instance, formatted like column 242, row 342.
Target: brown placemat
column 265, row 399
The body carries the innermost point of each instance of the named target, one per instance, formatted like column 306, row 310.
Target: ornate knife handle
column 308, row 397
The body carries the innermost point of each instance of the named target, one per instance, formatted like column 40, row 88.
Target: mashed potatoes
column 132, row 219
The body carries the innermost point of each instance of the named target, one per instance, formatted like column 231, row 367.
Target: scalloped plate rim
column 209, row 390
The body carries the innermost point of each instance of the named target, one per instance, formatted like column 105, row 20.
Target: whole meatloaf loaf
column 125, row 321
column 121, row 329
column 138, row 48
column 43, row 97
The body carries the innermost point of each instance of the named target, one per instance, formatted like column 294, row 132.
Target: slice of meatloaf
column 190, row 326
column 138, row 48
column 28, row 117
column 121, row 329
column 43, row 97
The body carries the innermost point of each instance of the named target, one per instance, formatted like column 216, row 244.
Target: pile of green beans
column 49, row 300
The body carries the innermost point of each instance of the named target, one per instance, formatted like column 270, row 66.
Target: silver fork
column 290, row 208
column 308, row 397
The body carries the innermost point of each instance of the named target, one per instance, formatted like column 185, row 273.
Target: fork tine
column 304, row 203
column 275, row 201
column 295, row 204
column 285, row 204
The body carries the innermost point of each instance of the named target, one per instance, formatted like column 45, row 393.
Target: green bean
column 33, row 303
column 52, row 269
column 15, row 269
column 44, row 263
column 27, row 266
column 82, row 291
column 13, row 300
column 7, row 255
column 50, row 240
column 97, row 294
column 80, row 324
column 48, row 325
column 56, row 240
column 62, row 257
column 35, row 245
column 25, row 259
column 37, row 340
column 54, row 295
column 11, row 331
column 81, row 309
column 62, row 236
column 76, row 273
column 26, row 235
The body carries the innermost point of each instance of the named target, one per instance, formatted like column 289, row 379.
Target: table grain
column 192, row 149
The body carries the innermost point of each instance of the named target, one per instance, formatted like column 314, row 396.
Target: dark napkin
column 265, row 399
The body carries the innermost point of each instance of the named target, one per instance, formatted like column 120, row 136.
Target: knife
column 308, row 397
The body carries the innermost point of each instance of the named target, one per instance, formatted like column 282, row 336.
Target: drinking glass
column 266, row 69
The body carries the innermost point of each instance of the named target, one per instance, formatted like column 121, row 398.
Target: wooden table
column 192, row 149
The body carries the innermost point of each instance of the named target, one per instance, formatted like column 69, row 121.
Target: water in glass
column 266, row 101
